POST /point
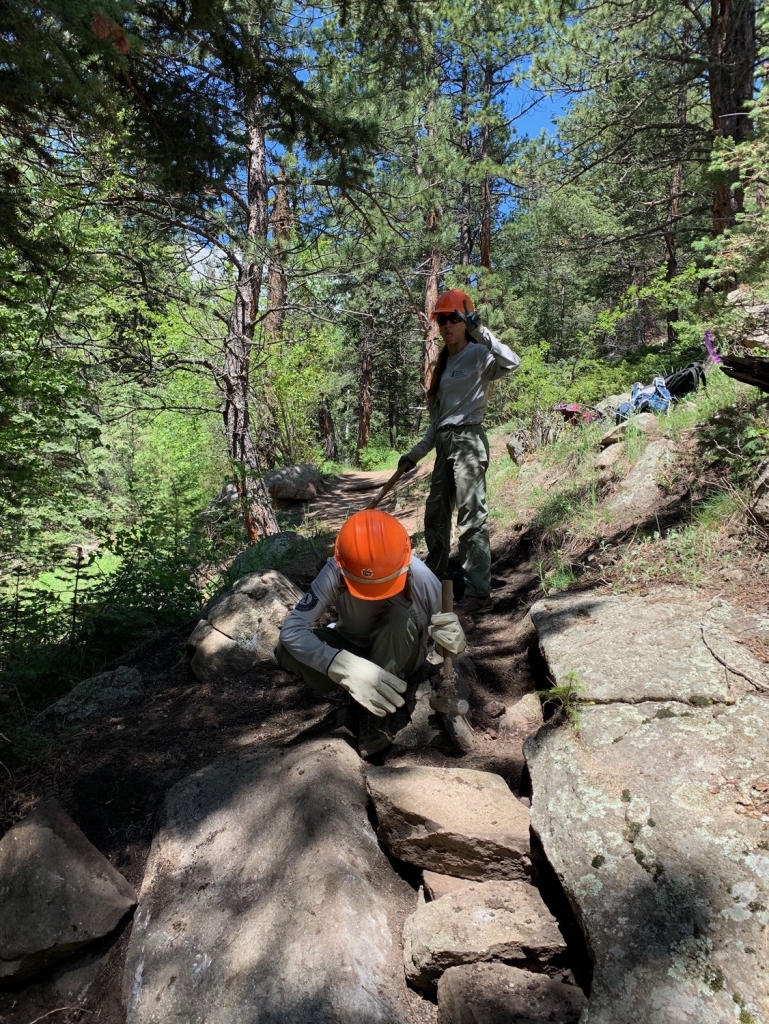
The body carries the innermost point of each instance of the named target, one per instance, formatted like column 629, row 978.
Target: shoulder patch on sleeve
column 308, row 602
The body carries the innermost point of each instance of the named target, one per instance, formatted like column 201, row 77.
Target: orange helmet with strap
column 453, row 301
column 373, row 552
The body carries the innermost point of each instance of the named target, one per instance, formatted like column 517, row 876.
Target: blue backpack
column 655, row 397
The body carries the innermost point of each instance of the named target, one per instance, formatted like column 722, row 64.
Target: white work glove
column 446, row 630
column 472, row 322
column 373, row 687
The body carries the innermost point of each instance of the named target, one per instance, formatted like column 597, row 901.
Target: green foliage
column 565, row 699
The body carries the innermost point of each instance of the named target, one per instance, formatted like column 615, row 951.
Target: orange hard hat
column 373, row 552
column 453, row 301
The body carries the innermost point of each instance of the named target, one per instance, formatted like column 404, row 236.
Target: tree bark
column 486, row 191
column 731, row 76
column 257, row 512
column 327, row 432
column 465, row 208
column 366, row 380
column 277, row 283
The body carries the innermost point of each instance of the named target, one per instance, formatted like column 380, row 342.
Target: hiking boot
column 373, row 734
column 474, row 605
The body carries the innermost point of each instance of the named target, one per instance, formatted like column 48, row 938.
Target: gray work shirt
column 357, row 618
column 463, row 393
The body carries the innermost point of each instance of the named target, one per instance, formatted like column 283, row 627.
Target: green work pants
column 394, row 646
column 459, row 482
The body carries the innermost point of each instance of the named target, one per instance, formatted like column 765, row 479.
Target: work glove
column 446, row 630
column 472, row 320
column 405, row 463
column 372, row 687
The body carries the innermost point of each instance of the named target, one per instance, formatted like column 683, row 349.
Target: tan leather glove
column 446, row 630
column 373, row 687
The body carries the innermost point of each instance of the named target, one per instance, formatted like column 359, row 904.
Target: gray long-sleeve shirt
column 463, row 393
column 357, row 618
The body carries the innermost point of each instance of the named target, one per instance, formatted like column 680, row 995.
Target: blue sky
column 539, row 117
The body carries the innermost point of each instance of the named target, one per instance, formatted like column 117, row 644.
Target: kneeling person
column 386, row 600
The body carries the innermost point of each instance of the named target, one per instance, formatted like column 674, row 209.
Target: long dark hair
column 440, row 366
column 435, row 380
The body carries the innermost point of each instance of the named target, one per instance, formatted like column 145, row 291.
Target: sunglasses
column 448, row 318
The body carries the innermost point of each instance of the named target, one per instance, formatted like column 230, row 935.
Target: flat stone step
column 452, row 820
column 498, row 994
column 501, row 921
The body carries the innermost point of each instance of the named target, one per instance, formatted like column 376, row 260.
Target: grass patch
column 565, row 699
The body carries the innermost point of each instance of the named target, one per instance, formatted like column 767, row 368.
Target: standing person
column 387, row 603
column 457, row 398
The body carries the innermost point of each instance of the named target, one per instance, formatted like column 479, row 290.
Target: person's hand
column 405, row 463
column 471, row 320
column 446, row 630
column 372, row 687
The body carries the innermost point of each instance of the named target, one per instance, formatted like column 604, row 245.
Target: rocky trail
column 609, row 864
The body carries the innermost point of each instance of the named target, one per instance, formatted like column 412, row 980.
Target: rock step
column 499, row 994
column 57, row 892
column 454, row 821
column 499, row 921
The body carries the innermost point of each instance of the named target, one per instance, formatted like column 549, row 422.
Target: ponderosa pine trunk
column 257, row 511
column 731, row 79
column 277, row 282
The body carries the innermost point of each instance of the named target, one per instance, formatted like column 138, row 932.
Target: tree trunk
column 731, row 74
column 671, row 227
column 327, row 432
column 258, row 514
column 486, row 196
column 465, row 207
column 277, row 284
column 366, row 378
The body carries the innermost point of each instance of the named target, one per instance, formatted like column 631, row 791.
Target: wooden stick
column 387, row 487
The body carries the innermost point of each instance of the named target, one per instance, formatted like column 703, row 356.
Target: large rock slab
column 268, row 898
column 639, row 493
column 452, row 820
column 98, row 695
column 57, row 892
column 501, row 921
column 499, row 994
column 240, row 629
column 673, row 645
column 643, row 422
column 655, row 819
column 289, row 552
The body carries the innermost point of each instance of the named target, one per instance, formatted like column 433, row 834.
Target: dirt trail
column 113, row 775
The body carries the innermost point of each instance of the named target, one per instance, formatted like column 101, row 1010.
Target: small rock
column 502, row 921
column 525, row 716
column 494, row 709
column 639, row 493
column 499, row 994
column 95, row 696
column 437, row 885
column 451, row 820
column 610, row 455
column 58, row 892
